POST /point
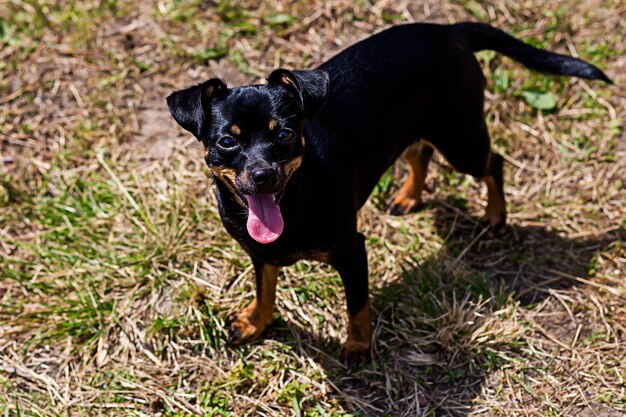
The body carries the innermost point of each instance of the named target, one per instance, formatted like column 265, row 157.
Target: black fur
column 191, row 107
column 480, row 36
column 311, row 87
column 357, row 113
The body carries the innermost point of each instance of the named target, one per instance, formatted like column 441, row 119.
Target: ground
column 117, row 275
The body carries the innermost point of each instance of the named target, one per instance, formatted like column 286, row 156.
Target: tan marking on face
column 229, row 173
column 291, row 166
column 235, row 130
column 206, row 152
column 228, row 177
column 272, row 124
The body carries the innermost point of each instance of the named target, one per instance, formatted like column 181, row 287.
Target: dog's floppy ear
column 311, row 86
column 191, row 107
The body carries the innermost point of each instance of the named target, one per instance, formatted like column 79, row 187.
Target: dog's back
column 422, row 81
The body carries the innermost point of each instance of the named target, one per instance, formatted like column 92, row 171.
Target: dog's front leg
column 250, row 322
column 351, row 263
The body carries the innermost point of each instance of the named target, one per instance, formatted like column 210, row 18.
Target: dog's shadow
column 437, row 327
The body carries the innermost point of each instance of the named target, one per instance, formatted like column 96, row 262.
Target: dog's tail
column 480, row 36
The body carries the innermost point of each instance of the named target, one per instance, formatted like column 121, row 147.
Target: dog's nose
column 262, row 176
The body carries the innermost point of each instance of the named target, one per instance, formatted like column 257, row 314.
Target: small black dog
column 296, row 158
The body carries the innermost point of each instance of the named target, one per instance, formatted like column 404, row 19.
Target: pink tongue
column 265, row 223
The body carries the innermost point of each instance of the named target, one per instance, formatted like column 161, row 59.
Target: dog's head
column 253, row 137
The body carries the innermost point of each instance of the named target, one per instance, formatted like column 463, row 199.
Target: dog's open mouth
column 265, row 221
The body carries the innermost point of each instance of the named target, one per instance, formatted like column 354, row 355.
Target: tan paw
column 355, row 354
column 245, row 326
column 496, row 220
column 401, row 204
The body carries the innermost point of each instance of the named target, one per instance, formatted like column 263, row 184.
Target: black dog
column 295, row 159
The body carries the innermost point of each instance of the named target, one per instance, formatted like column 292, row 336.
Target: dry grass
column 117, row 274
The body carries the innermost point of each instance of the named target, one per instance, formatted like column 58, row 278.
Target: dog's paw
column 400, row 205
column 497, row 224
column 355, row 354
column 499, row 230
column 243, row 327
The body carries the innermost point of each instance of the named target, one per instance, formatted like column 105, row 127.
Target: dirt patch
column 157, row 133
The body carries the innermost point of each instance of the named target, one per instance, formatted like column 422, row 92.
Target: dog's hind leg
column 473, row 155
column 409, row 197
column 495, row 213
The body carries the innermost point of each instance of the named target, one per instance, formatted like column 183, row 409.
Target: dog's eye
column 227, row 143
column 284, row 136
